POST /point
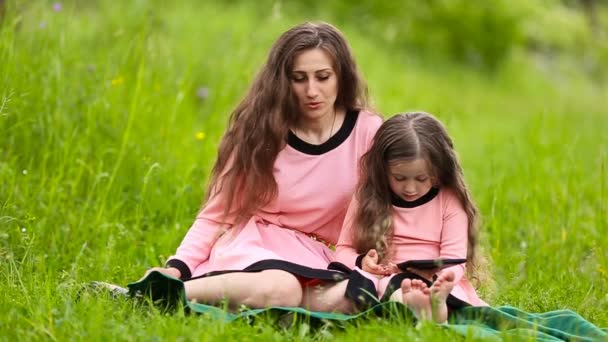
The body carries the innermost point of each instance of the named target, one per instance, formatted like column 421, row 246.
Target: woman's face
column 315, row 83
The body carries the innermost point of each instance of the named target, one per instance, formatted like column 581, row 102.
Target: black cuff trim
column 295, row 269
column 181, row 266
column 359, row 261
column 334, row 141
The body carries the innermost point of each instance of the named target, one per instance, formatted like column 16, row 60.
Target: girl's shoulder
column 448, row 198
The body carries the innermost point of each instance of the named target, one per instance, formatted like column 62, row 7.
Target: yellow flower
column 118, row 81
column 200, row 135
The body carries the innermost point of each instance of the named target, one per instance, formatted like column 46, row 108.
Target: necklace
column 331, row 130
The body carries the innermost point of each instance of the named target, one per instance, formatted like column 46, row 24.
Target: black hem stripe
column 181, row 266
column 359, row 289
column 452, row 302
column 401, row 203
column 362, row 290
column 340, row 267
column 295, row 269
column 334, row 141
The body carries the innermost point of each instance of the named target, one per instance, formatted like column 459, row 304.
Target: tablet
column 429, row 264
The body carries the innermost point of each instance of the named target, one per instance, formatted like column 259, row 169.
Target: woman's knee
column 280, row 288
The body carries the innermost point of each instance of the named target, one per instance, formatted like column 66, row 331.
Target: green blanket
column 480, row 322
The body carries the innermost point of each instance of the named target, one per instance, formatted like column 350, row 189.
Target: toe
column 406, row 285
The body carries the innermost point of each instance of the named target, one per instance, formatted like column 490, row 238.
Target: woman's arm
column 196, row 246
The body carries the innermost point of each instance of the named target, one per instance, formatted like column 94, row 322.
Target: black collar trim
column 341, row 135
column 401, row 203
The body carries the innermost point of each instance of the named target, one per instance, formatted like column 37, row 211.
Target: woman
column 286, row 169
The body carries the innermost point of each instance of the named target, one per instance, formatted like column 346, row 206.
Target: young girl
column 411, row 204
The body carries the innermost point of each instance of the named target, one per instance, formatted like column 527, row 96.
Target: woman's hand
column 369, row 264
column 170, row 271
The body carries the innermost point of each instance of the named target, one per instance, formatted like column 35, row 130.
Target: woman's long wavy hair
column 258, row 127
column 405, row 137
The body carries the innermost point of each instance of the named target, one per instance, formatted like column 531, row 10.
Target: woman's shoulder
column 369, row 121
column 369, row 116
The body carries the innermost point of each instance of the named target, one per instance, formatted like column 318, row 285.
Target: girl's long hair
column 258, row 127
column 407, row 136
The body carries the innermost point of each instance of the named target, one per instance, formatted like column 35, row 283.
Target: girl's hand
column 369, row 264
column 393, row 268
column 170, row 271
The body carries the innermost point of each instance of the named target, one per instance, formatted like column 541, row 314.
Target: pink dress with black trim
column 433, row 227
column 315, row 184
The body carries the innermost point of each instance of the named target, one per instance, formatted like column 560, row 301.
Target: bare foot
column 417, row 297
column 440, row 290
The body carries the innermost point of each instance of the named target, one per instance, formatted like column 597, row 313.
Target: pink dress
column 291, row 233
column 432, row 227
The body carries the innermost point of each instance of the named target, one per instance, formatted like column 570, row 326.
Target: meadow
column 110, row 118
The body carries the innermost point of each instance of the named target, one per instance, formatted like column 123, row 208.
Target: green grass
column 105, row 150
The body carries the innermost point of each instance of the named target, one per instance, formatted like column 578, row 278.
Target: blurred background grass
column 111, row 112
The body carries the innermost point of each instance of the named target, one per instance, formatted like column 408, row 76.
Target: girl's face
column 314, row 83
column 409, row 179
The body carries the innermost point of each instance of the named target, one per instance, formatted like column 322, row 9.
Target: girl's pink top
column 433, row 230
column 315, row 183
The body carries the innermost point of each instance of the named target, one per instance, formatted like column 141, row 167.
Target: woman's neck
column 318, row 131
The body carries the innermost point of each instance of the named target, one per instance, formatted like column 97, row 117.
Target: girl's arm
column 454, row 238
column 345, row 251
